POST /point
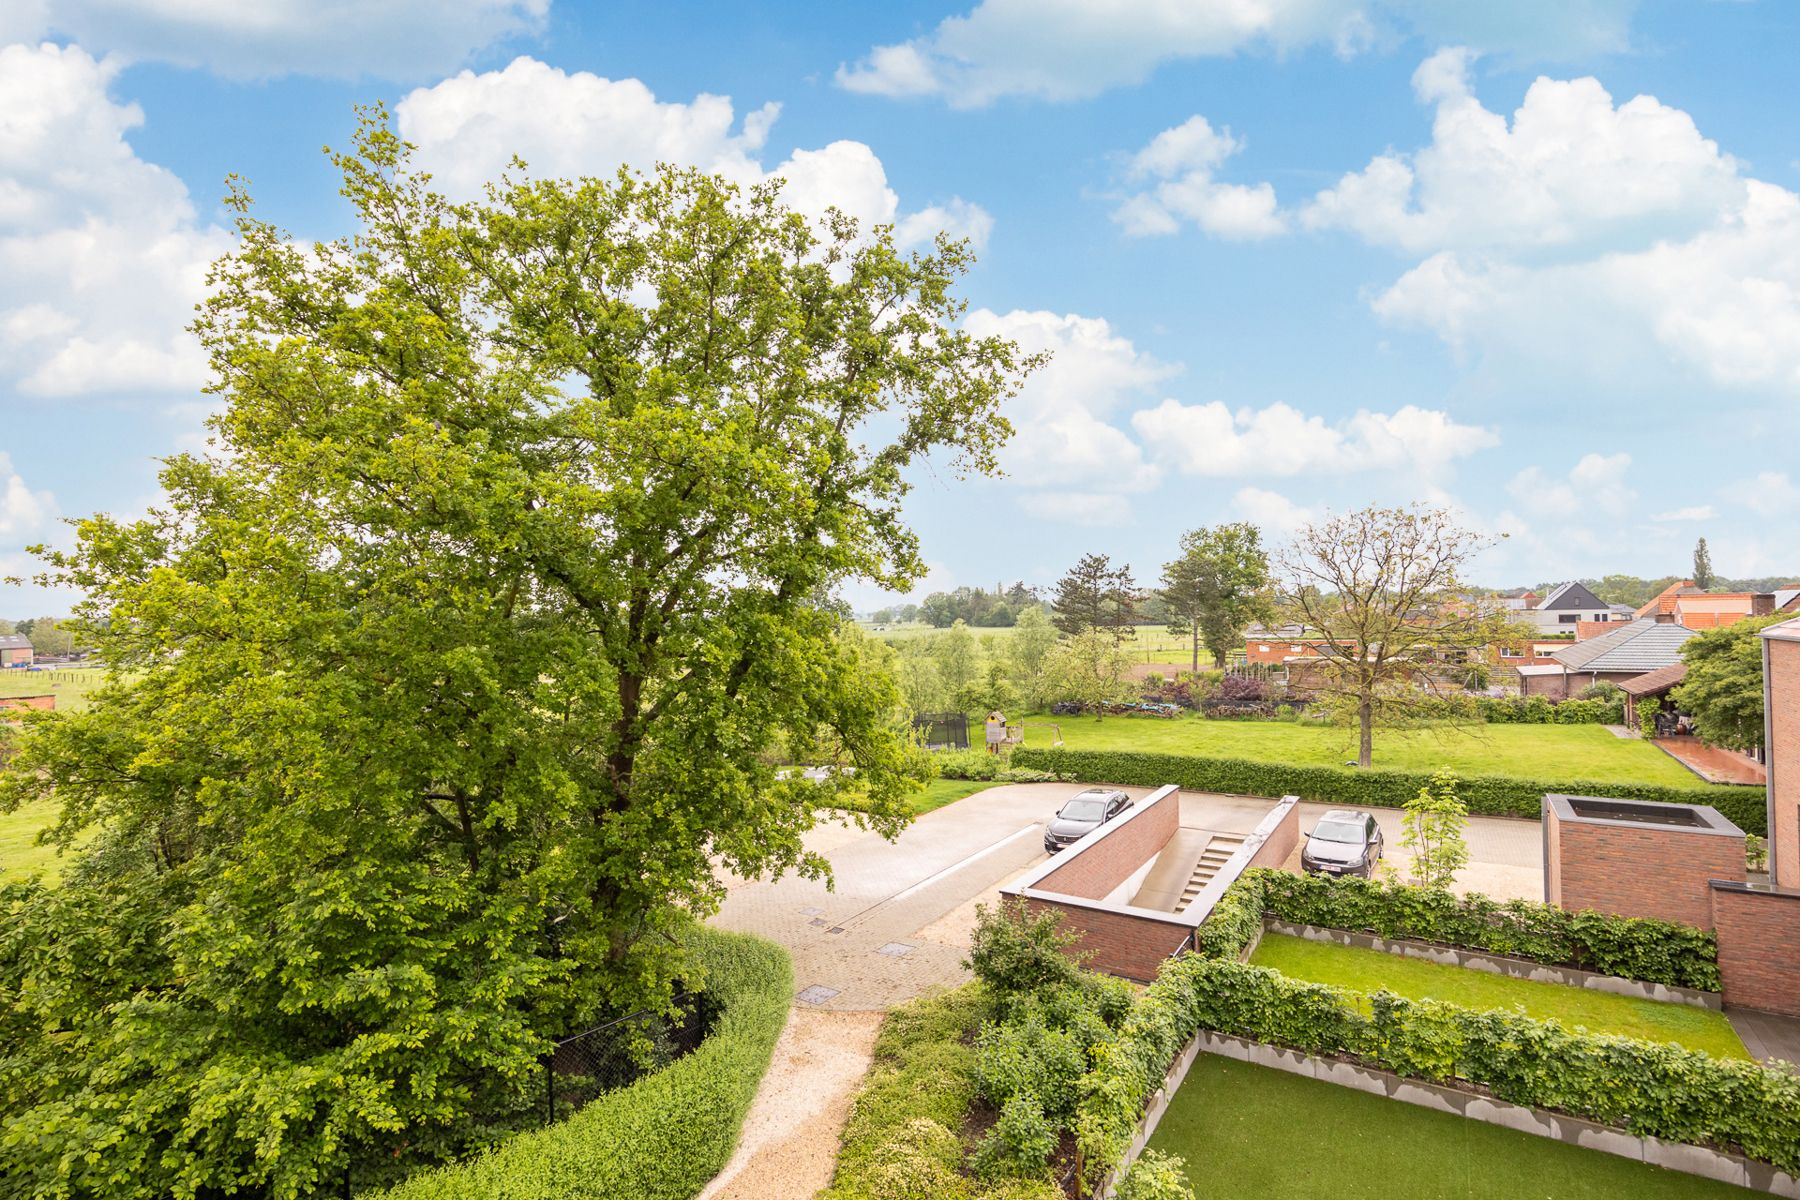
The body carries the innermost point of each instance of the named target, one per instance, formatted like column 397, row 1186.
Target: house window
column 1568, row 618
column 1296, row 649
column 1509, row 652
column 1262, row 649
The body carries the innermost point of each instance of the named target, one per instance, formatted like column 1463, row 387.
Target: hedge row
column 1629, row 947
column 1650, row 1089
column 1379, row 787
column 669, row 1133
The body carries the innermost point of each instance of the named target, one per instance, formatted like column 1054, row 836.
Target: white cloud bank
column 249, row 39
column 1180, row 163
column 1070, row 49
column 1583, row 234
column 1212, row 440
column 468, row 129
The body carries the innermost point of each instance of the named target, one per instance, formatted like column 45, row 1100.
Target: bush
column 1029, row 1057
column 1379, row 787
column 1019, row 1144
column 1628, row 947
column 1650, row 1089
column 1156, row 1176
column 1016, row 953
column 666, row 1135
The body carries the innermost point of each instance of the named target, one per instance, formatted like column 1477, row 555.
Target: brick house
column 15, row 650
column 1564, row 607
column 1630, row 651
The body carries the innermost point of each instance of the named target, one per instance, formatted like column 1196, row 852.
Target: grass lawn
column 1254, row 1131
column 70, row 685
column 940, row 792
column 1557, row 752
column 19, row 857
column 1599, row 1012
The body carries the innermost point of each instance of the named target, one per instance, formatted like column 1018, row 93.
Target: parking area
column 897, row 922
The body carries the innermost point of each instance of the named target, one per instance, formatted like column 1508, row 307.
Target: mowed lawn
column 1599, row 1012
column 1552, row 752
column 1255, row 1131
column 19, row 857
column 940, row 792
column 70, row 685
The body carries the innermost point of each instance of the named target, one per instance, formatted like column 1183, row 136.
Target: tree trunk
column 1219, row 658
column 1196, row 666
column 1365, row 720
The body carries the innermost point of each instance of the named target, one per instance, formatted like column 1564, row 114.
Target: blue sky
column 1539, row 262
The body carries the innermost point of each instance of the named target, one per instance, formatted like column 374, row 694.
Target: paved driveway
column 897, row 922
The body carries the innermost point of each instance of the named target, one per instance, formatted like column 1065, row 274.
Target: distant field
column 1572, row 752
column 19, row 858
column 1153, row 644
column 70, row 685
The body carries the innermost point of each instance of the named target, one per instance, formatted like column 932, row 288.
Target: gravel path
column 789, row 1142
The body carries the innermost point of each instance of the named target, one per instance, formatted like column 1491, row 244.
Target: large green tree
column 452, row 669
column 1723, row 687
column 1094, row 594
column 1216, row 587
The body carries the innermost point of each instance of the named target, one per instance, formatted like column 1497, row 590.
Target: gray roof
column 1785, row 597
column 1569, row 595
column 14, row 641
column 1643, row 645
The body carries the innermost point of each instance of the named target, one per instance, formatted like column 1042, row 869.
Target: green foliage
column 1095, row 595
column 1019, row 1144
column 1156, row 1176
column 1629, row 947
column 1378, row 787
column 1703, row 570
column 1653, row 1089
column 663, row 1137
column 445, row 680
column 1216, row 587
column 1723, row 687
column 1433, row 825
column 1028, row 1055
column 1018, row 953
column 50, row 636
column 1092, row 667
column 979, row 764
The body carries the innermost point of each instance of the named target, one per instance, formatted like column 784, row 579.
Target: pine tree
column 1096, row 595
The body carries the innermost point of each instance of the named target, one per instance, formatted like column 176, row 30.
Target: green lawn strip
column 1254, row 1131
column 1599, row 1012
column 940, row 792
column 20, row 856
column 1586, row 752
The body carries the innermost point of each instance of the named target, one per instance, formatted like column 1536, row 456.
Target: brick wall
column 28, row 702
column 1093, row 867
column 1759, row 948
column 1127, row 944
column 1783, row 701
column 1282, row 840
column 1638, row 871
column 1555, row 687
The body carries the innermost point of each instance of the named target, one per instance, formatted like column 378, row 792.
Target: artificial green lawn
column 1585, row 752
column 1598, row 1012
column 1249, row 1131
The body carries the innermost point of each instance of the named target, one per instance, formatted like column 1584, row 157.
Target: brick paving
column 1712, row 763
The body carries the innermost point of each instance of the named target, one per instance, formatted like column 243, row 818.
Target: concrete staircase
column 1221, row 847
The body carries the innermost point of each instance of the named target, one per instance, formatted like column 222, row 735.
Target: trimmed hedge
column 1629, row 947
column 1650, row 1089
column 668, row 1134
column 1377, row 787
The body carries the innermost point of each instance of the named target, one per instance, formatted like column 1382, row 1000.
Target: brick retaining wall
column 1759, row 947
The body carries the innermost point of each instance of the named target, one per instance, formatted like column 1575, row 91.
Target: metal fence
column 943, row 731
column 614, row 1055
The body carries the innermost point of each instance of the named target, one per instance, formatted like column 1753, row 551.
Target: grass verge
column 1254, row 1131
column 1599, row 1012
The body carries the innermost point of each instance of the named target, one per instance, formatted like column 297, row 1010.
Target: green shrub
column 1651, row 1089
column 1629, row 947
column 1485, row 795
column 1031, row 1057
column 1018, row 953
column 968, row 764
column 1019, row 1144
column 1156, row 1176
column 666, row 1135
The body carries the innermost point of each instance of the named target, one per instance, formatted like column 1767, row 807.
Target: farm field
column 1255, row 1131
column 70, row 685
column 19, row 857
column 1598, row 1012
column 1584, row 752
column 1153, row 644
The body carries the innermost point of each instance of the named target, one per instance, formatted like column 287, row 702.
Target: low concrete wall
column 1574, row 1131
column 1759, row 946
column 1500, row 964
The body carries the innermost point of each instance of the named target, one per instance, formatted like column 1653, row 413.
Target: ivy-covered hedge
column 669, row 1133
column 1650, row 1089
column 1380, row 787
column 1629, row 947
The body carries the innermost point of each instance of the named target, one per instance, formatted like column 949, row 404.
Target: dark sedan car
column 1084, row 813
column 1343, row 843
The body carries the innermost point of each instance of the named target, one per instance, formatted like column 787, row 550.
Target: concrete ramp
column 1168, row 878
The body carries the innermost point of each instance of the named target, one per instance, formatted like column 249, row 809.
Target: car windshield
column 1082, row 809
column 1339, row 831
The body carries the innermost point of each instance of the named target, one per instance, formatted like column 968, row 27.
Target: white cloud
column 1272, row 512
column 386, row 39
column 101, row 255
column 22, row 511
column 1595, row 485
column 469, row 127
column 1581, row 235
column 1694, row 512
column 1181, row 162
column 1061, row 432
column 1069, row 49
column 1212, row 440
column 1767, row 494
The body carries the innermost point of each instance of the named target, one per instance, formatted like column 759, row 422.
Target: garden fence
column 615, row 1054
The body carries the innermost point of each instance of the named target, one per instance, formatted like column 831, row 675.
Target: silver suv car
column 1084, row 813
column 1344, row 842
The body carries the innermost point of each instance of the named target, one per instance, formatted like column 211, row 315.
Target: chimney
column 1762, row 604
column 1664, row 618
